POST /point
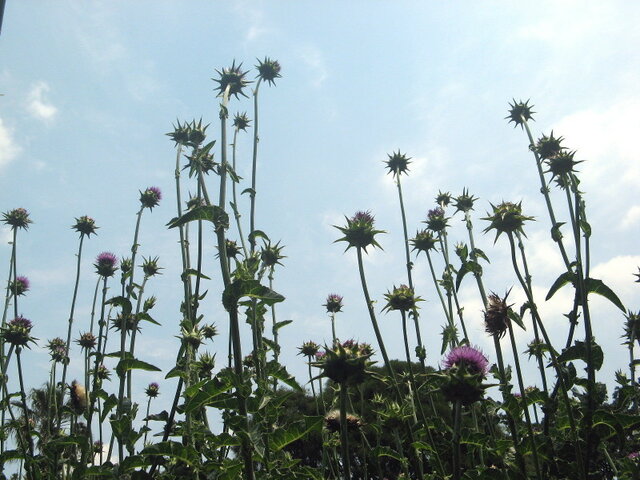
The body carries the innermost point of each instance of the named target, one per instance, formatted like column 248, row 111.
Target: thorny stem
column 254, row 162
column 68, row 344
column 344, row 437
column 554, row 359
column 409, row 265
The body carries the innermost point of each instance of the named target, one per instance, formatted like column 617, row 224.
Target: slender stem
column 234, row 205
column 68, row 344
column 254, row 163
column 344, row 435
column 25, row 409
column 457, row 414
column 134, row 251
column 132, row 341
column 333, row 327
column 409, row 265
column 313, row 388
column 374, row 322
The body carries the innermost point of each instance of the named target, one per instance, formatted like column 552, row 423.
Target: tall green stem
column 254, row 163
column 344, row 434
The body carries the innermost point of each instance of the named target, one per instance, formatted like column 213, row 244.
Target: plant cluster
column 399, row 419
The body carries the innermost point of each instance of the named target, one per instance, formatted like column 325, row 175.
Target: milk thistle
column 20, row 286
column 150, row 197
column 359, row 231
column 17, row 218
column 85, row 226
column 106, row 264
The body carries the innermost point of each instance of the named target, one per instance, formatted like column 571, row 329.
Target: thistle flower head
column 334, row 303
column 637, row 275
column 561, row 164
column 150, row 197
column 233, row 79
column 359, row 231
column 443, row 199
column 125, row 321
column 271, row 254
column 180, row 134
column 103, row 372
column 106, row 264
column 496, row 315
column 468, row 358
column 436, row 221
column 150, row 266
column 149, row 303
column 87, row 341
column 345, row 363
column 209, row 331
column 507, row 218
column 196, row 133
column 398, row 163
column 548, row 147
column 194, row 202
column 232, row 248
column 332, row 421
column 632, row 327
column 309, row 349
column 424, row 241
column 57, row 350
column 152, row 390
column 520, row 112
column 401, row 298
column 464, row 203
column 268, row 70
column 241, row 121
column 17, row 218
column 465, row 369
column 20, row 286
column 85, row 226
column 192, row 337
column 18, row 332
column 126, row 265
column 205, row 365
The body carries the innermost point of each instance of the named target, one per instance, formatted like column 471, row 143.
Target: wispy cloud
column 37, row 105
column 313, row 58
column 8, row 147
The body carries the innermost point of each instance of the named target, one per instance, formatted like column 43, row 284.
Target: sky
column 90, row 89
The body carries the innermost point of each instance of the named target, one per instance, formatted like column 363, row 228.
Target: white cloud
column 631, row 218
column 37, row 105
column 313, row 58
column 8, row 148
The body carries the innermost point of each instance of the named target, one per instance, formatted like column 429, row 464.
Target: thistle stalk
column 254, row 163
column 344, row 437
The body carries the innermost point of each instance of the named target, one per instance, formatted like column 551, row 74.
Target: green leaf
column 593, row 285
column 240, row 288
column 586, row 228
column 281, row 324
column 146, row 317
column 281, row 438
column 461, row 273
column 517, row 319
column 133, row 461
column 248, row 190
column 205, row 393
column 210, row 213
column 422, row 446
column 121, row 302
column 232, row 174
column 134, row 364
column 109, row 403
column 578, row 351
column 258, row 234
column 480, row 254
column 561, row 281
column 388, row 452
column 275, row 370
column 194, row 272
column 174, row 450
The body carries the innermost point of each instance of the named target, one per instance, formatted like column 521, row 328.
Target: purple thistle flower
column 18, row 332
column 106, row 264
column 152, row 390
column 468, row 357
column 334, row 303
column 320, row 355
column 150, row 197
column 20, row 286
column 364, row 217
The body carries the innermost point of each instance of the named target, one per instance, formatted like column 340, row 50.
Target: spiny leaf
column 121, row 302
column 210, row 213
column 194, row 272
column 578, row 351
column 281, row 438
column 561, row 281
column 593, row 285
column 205, row 393
column 248, row 288
column 277, row 371
column 134, row 364
column 174, row 450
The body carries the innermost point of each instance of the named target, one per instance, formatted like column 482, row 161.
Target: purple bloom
column 468, row 357
column 634, row 456
column 363, row 217
column 436, row 212
column 20, row 286
column 334, row 303
column 17, row 218
column 150, row 197
column 320, row 355
column 17, row 332
column 106, row 264
column 152, row 390
column 21, row 322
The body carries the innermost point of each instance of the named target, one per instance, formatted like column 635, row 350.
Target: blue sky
column 90, row 89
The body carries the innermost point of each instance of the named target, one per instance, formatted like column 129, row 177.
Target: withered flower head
column 233, row 79
column 269, row 70
column 241, row 121
column 332, row 421
column 496, row 315
column 548, row 147
column 443, row 199
column 309, row 349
